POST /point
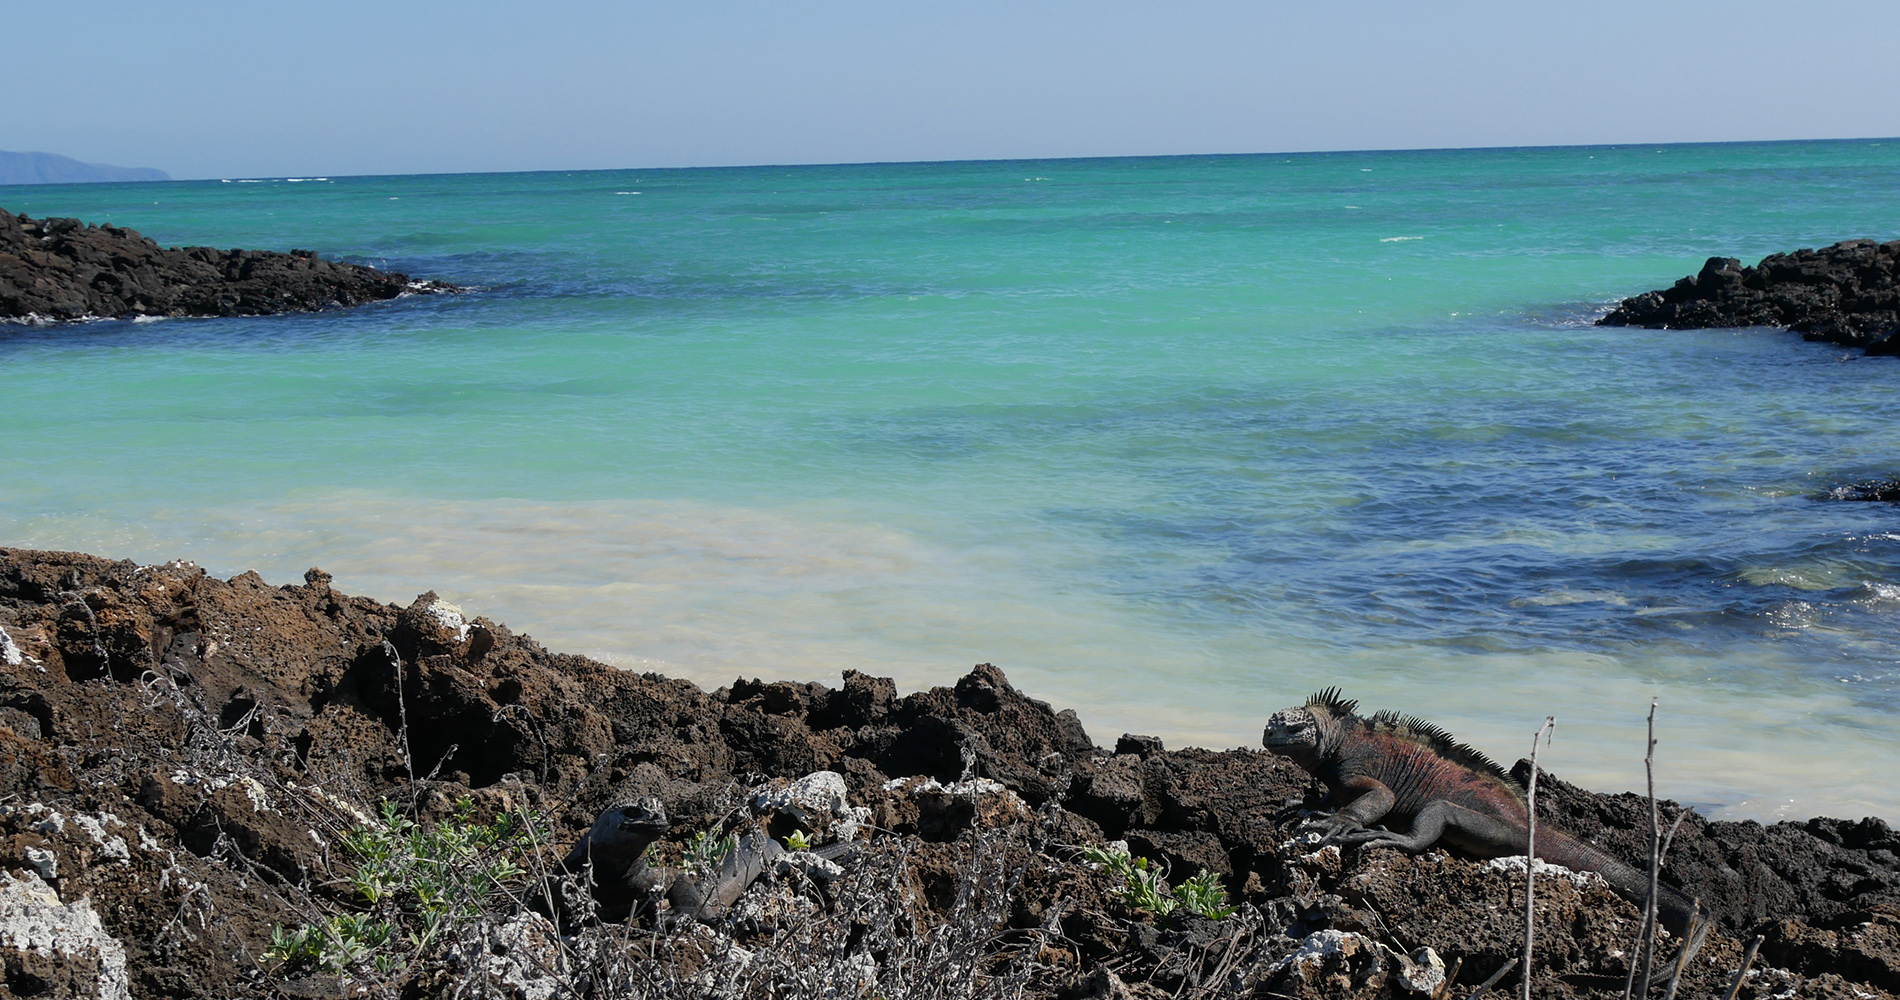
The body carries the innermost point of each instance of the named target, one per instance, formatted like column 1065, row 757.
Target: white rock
column 10, row 653
column 43, row 861
column 65, row 946
column 1327, row 952
column 113, row 845
column 816, row 802
column 1423, row 972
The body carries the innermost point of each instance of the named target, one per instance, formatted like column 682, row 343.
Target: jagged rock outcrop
column 1846, row 294
column 191, row 759
column 54, row 270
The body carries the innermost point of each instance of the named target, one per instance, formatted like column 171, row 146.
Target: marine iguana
column 616, row 846
column 1401, row 769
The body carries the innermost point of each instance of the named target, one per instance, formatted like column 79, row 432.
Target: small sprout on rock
column 1145, row 888
column 1204, row 895
column 704, row 852
column 798, row 840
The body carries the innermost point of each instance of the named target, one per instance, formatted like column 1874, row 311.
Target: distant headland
column 51, row 168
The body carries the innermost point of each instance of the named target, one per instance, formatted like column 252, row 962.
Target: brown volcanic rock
column 1747, row 873
column 62, row 269
column 186, row 752
column 1847, row 294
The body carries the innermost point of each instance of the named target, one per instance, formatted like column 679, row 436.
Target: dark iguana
column 1402, row 770
column 616, row 846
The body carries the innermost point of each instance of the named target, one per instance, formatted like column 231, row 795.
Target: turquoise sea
column 1174, row 441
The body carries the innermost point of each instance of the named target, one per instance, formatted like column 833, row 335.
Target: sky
column 253, row 89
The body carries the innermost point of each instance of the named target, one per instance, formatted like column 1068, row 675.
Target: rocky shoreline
column 215, row 788
column 1846, row 294
column 63, row 270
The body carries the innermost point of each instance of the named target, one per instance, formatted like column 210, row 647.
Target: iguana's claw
column 1365, row 836
column 1330, row 828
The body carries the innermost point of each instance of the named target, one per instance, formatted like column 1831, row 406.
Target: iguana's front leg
column 1480, row 833
column 1372, row 801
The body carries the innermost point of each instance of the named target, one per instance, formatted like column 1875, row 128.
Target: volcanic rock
column 199, row 763
column 54, row 270
column 1846, row 294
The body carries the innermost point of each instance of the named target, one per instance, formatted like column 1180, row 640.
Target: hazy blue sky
column 214, row 89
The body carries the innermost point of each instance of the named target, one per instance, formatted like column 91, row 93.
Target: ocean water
column 1173, row 441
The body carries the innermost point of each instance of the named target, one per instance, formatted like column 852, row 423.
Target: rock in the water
column 1847, row 294
column 57, row 270
column 1875, row 490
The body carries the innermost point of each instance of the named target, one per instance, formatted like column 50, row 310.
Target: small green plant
column 1204, row 895
column 333, row 944
column 797, row 840
column 413, row 882
column 1145, row 887
column 704, row 852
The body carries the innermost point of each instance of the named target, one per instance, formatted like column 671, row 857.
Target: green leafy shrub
column 1145, row 887
column 412, row 883
column 1204, row 895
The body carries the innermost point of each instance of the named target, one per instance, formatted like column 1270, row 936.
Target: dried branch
column 1530, row 851
column 1748, row 959
column 1493, row 981
column 1646, row 942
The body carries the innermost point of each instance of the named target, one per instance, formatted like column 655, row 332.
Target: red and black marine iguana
column 1401, row 769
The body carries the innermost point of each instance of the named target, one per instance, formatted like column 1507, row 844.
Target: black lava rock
column 1846, row 294
column 54, row 270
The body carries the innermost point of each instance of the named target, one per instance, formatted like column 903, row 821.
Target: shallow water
column 1173, row 441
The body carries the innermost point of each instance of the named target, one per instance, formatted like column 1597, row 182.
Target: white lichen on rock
column 449, row 618
column 522, row 954
column 63, row 945
column 815, row 802
column 988, row 803
column 1422, row 972
column 112, row 845
column 1514, row 865
column 1343, row 959
column 43, row 861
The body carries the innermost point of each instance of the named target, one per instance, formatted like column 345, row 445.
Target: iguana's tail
column 1686, row 918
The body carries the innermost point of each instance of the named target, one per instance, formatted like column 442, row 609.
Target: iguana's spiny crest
column 1320, row 729
column 1406, row 772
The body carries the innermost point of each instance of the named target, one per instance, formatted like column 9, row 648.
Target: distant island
column 51, row 168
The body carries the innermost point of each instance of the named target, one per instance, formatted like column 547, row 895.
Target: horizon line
column 981, row 160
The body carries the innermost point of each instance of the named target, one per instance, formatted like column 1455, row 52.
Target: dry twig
column 1493, row 981
column 1646, row 942
column 1530, row 850
column 1748, row 959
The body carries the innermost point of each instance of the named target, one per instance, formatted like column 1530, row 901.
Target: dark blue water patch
column 1502, row 517
column 568, row 274
column 340, row 327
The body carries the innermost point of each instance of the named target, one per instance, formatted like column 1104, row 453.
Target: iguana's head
column 639, row 821
column 1308, row 733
